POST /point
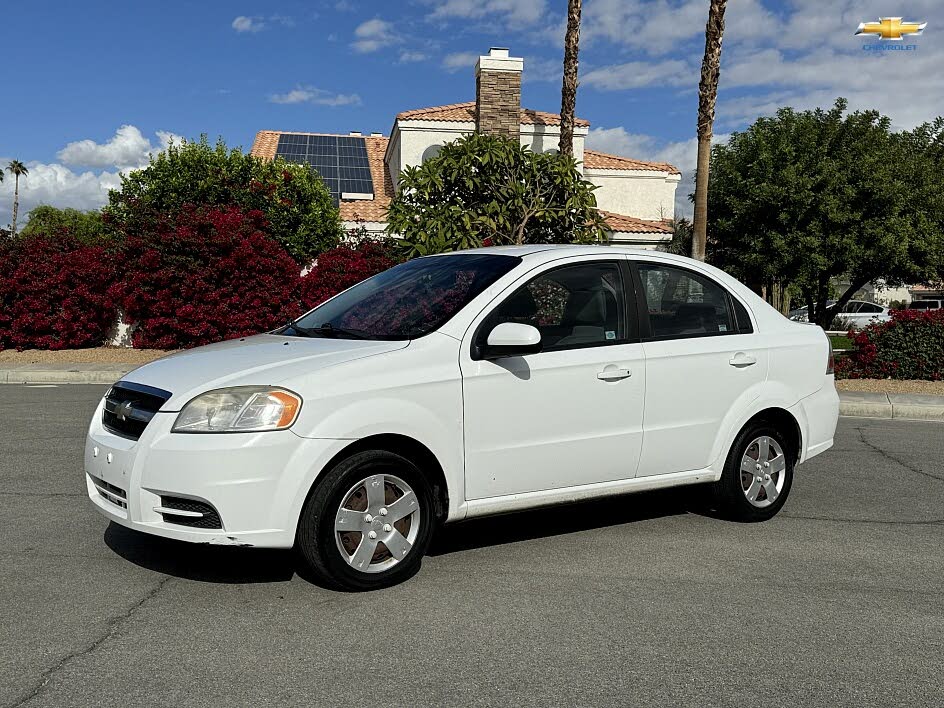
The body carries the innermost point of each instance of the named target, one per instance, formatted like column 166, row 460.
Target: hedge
column 909, row 346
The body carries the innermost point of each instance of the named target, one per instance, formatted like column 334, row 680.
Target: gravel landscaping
column 98, row 355
column 928, row 388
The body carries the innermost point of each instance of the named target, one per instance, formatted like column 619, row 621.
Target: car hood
column 264, row 359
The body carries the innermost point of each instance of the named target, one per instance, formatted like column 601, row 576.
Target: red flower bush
column 909, row 346
column 54, row 293
column 209, row 275
column 341, row 267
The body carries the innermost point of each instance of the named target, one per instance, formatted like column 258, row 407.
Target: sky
column 94, row 87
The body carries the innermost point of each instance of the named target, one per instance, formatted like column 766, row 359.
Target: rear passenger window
column 684, row 304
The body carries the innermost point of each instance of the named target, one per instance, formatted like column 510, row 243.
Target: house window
column 431, row 152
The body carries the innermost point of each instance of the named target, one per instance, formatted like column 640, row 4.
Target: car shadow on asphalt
column 567, row 518
column 233, row 565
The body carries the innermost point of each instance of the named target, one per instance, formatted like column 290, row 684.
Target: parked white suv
column 461, row 385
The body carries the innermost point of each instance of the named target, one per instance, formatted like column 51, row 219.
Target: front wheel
column 757, row 476
column 368, row 522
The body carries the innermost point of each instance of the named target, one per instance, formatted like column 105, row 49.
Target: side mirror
column 512, row 339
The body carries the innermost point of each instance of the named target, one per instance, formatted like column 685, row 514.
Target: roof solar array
column 341, row 161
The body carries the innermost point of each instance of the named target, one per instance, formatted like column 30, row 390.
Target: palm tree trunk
column 707, row 95
column 16, row 201
column 569, row 88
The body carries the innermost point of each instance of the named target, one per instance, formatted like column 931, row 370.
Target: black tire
column 730, row 497
column 317, row 540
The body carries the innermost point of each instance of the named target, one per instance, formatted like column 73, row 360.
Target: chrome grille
column 129, row 407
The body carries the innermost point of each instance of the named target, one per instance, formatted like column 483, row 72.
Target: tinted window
column 409, row 300
column 869, row 307
column 925, row 305
column 852, row 307
column 684, row 304
column 573, row 306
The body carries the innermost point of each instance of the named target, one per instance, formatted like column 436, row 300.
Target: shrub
column 909, row 346
column 344, row 266
column 298, row 208
column 54, row 293
column 87, row 226
column 208, row 274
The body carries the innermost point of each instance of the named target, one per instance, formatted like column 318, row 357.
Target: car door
column 570, row 414
column 702, row 354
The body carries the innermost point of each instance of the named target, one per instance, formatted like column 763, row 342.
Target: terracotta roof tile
column 265, row 144
column 602, row 161
column 630, row 224
column 465, row 113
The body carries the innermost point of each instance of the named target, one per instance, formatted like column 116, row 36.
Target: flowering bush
column 344, row 266
column 208, row 275
column 54, row 293
column 909, row 346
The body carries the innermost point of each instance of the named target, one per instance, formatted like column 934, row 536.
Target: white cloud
column 373, row 35
column 126, row 149
column 410, row 57
column 515, row 12
column 459, row 60
column 540, row 70
column 316, row 96
column 254, row 24
column 636, row 74
column 248, row 24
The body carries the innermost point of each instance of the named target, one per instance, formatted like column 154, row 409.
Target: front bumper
column 256, row 482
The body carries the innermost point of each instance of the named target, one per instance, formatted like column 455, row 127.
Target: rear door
column 701, row 355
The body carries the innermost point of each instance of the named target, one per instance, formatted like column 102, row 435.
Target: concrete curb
column 857, row 404
column 64, row 374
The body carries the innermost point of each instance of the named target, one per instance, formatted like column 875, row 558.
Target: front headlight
column 242, row 409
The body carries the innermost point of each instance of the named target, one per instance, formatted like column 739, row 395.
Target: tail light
column 830, row 361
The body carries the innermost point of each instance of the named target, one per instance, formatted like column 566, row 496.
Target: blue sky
column 97, row 85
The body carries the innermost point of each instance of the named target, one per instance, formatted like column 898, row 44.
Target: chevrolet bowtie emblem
column 124, row 410
column 891, row 28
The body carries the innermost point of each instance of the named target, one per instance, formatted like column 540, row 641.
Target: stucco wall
column 643, row 194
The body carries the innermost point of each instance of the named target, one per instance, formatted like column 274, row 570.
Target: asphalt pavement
column 634, row 601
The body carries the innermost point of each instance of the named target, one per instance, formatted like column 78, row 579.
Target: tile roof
column 465, row 113
column 630, row 224
column 602, row 161
column 265, row 144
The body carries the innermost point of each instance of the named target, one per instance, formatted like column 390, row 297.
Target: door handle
column 742, row 360
column 614, row 374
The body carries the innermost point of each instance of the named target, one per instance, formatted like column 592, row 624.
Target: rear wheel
column 758, row 474
column 368, row 522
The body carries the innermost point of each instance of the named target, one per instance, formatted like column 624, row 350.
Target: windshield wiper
column 325, row 330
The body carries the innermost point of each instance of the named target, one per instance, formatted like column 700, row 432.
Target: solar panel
column 341, row 161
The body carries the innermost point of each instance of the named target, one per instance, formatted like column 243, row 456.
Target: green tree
column 802, row 200
column 489, row 189
column 17, row 169
column 87, row 226
column 296, row 203
column 681, row 243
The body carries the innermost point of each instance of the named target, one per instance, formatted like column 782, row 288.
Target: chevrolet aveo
column 461, row 385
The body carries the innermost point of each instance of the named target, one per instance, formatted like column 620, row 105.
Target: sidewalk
column 907, row 406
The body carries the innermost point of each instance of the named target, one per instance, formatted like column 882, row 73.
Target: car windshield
column 408, row 301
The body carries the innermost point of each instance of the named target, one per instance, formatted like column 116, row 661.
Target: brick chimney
column 498, row 93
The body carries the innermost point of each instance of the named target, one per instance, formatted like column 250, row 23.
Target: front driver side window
column 684, row 304
column 573, row 306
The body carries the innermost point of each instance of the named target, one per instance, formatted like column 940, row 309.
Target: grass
column 840, row 341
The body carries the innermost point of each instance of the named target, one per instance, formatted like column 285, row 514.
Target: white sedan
column 462, row 385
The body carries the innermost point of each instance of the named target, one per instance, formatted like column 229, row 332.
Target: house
column 636, row 197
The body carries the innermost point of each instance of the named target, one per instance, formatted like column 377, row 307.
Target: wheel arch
column 783, row 420
column 405, row 446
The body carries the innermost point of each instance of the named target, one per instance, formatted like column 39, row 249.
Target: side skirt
column 549, row 497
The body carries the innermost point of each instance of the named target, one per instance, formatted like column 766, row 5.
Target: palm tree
column 569, row 88
column 707, row 95
column 16, row 168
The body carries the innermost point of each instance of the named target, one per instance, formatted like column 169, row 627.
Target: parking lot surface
column 631, row 601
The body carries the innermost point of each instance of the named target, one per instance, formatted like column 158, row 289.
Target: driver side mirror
column 512, row 339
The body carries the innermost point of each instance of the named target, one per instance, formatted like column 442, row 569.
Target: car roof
column 559, row 250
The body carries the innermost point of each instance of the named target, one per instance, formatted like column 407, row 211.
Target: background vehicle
column 464, row 385
column 856, row 313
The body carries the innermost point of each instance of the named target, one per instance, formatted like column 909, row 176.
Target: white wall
column 641, row 193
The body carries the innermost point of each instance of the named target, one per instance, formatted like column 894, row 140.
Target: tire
column 750, row 491
column 337, row 545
